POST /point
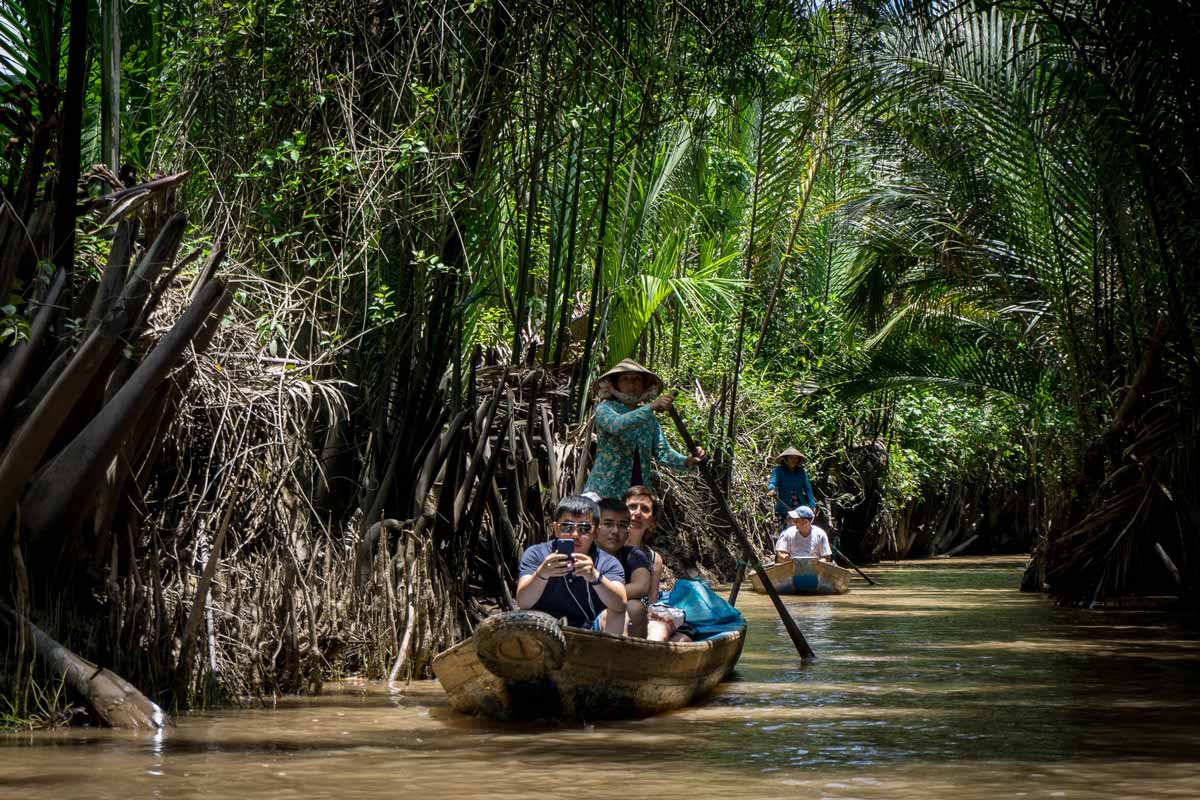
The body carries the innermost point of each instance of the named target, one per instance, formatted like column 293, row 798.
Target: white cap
column 801, row 512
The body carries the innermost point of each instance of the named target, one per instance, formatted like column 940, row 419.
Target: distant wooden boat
column 804, row 576
column 523, row 665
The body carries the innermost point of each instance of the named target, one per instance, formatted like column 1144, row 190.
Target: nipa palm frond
column 957, row 348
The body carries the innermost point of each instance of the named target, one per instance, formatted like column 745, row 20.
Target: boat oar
column 737, row 582
column 802, row 647
column 854, row 566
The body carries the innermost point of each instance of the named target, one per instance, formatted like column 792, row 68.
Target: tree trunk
column 110, row 82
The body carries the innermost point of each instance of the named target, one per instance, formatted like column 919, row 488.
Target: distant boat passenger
column 802, row 539
column 789, row 485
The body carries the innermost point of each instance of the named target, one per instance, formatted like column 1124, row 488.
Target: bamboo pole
column 839, row 554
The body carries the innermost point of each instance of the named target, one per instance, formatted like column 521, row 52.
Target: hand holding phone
column 566, row 547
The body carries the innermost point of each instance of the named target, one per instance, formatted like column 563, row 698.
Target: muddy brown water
column 944, row 682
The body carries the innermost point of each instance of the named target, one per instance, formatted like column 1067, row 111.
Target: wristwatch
column 599, row 578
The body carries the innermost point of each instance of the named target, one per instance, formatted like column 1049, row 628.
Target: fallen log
column 115, row 701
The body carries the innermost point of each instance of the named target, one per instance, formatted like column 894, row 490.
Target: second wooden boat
column 523, row 665
column 804, row 576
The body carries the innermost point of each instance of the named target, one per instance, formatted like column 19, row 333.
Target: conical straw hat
column 629, row 365
column 791, row 451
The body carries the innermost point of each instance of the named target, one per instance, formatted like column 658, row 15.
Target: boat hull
column 804, row 576
column 602, row 677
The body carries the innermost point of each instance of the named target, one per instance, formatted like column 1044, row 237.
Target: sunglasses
column 575, row 527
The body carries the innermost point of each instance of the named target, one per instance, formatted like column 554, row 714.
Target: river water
column 942, row 682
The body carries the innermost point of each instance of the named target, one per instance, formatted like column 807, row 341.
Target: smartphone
column 566, row 547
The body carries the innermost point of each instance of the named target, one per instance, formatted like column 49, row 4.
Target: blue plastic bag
column 703, row 608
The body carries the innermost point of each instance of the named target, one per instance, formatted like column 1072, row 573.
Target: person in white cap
column 629, row 440
column 802, row 539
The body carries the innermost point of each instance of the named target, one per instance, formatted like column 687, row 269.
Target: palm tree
column 1005, row 243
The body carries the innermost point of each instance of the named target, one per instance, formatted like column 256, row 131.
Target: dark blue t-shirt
column 571, row 596
column 632, row 558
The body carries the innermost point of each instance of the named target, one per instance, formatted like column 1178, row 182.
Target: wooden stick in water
column 843, row 557
column 737, row 583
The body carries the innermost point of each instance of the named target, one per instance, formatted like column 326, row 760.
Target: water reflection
column 944, row 681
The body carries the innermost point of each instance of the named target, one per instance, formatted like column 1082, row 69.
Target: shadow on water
column 944, row 681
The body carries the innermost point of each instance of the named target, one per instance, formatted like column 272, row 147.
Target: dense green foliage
column 914, row 200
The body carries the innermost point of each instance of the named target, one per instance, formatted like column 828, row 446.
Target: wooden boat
column 531, row 668
column 804, row 576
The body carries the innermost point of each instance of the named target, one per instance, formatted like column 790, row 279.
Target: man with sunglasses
column 576, row 587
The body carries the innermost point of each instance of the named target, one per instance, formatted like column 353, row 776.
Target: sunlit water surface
column 942, row 682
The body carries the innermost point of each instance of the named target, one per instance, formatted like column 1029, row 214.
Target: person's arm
column 773, row 482
column 610, row 588
column 640, row 581
column 529, row 590
column 639, row 584
column 532, row 585
column 665, row 454
column 782, row 551
column 611, row 420
column 826, row 548
column 656, row 584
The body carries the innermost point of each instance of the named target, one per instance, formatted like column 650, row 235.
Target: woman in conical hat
column 789, row 484
column 629, row 440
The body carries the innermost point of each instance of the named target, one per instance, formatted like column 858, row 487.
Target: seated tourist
column 611, row 538
column 576, row 587
column 661, row 624
column 802, row 539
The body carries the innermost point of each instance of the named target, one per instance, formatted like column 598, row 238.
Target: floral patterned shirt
column 620, row 429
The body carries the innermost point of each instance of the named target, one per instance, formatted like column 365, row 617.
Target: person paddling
column 789, row 485
column 629, row 440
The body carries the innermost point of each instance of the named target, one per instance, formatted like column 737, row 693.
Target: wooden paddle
column 802, row 646
column 843, row 557
column 737, row 582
